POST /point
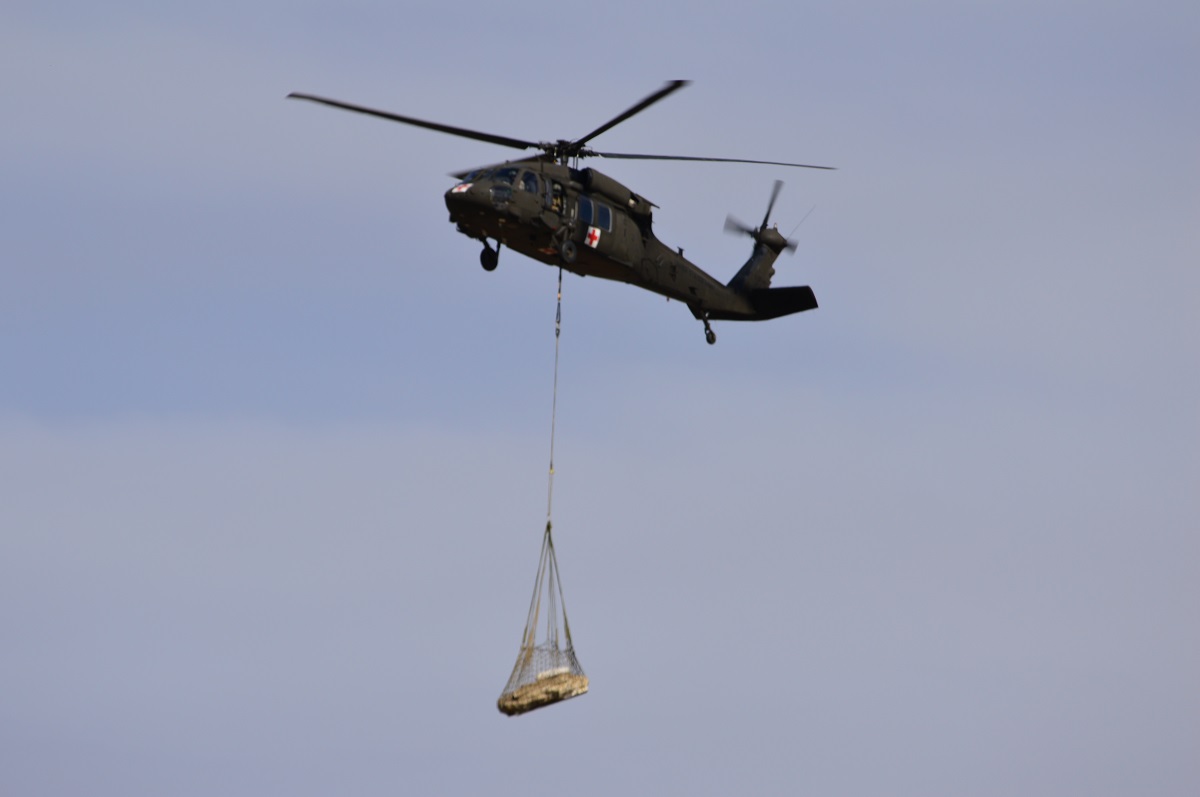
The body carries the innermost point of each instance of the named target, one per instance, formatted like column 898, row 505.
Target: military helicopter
column 547, row 208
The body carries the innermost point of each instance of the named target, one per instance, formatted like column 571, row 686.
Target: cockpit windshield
column 506, row 175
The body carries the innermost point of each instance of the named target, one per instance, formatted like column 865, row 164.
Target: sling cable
column 546, row 671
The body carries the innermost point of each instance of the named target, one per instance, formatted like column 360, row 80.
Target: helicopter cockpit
column 503, row 181
column 506, row 175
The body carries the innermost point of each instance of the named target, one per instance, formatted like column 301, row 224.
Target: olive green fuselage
column 589, row 224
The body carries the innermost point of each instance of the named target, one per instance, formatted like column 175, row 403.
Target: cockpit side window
column 529, row 182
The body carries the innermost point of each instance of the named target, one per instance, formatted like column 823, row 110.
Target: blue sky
column 274, row 446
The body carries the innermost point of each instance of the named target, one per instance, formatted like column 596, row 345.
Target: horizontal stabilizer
column 776, row 302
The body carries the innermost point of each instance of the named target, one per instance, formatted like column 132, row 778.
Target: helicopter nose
column 467, row 194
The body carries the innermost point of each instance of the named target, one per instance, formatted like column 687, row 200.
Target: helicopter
column 547, row 208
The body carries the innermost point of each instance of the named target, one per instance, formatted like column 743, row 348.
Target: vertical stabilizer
column 756, row 274
column 768, row 243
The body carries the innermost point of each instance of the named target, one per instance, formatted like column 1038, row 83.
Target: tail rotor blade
column 735, row 226
column 771, row 205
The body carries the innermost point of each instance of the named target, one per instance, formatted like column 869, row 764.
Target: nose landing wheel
column 489, row 258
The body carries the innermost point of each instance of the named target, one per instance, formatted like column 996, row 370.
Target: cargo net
column 546, row 671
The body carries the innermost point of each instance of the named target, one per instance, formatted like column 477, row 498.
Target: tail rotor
column 770, row 237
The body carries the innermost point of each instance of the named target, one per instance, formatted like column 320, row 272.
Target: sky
column 274, row 447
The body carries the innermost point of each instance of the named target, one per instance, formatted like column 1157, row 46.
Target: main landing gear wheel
column 709, row 335
column 489, row 258
column 568, row 252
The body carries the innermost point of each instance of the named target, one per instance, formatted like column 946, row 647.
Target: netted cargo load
column 546, row 671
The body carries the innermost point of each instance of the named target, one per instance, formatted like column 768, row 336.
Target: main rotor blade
column 503, row 141
column 629, row 156
column 674, row 85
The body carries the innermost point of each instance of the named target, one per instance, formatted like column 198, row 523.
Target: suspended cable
column 546, row 672
column 554, row 402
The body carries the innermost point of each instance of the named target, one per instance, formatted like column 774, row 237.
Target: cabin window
column 603, row 216
column 506, row 176
column 529, row 182
column 585, row 210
